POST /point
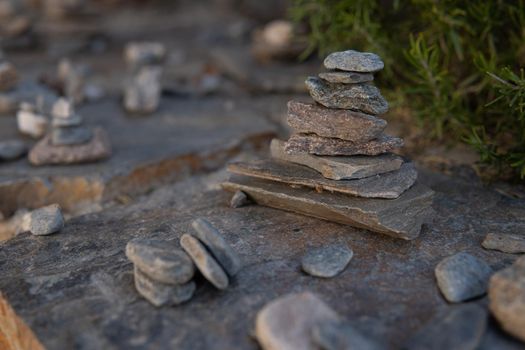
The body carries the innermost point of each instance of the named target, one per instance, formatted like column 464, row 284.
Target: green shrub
column 456, row 64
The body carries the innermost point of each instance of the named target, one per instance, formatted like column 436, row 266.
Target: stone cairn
column 338, row 165
column 164, row 273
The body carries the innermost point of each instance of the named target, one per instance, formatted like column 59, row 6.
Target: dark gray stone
column 462, row 277
column 72, row 120
column 75, row 135
column 160, row 294
column 504, row 242
column 239, row 199
column 339, row 335
column 12, row 149
column 46, row 220
column 354, row 61
column 327, row 261
column 346, row 77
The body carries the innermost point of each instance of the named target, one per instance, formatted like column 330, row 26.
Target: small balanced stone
column 46, row 220
column 361, row 97
column 339, row 335
column 206, row 264
column 161, row 260
column 327, row 261
column 507, row 298
column 507, row 243
column 462, row 277
column 339, row 123
column 217, row 245
column 159, row 293
column 346, row 77
column 354, row 61
column 287, row 322
column 142, row 94
column 239, row 199
column 12, row 149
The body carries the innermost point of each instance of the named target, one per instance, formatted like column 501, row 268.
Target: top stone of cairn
column 354, row 61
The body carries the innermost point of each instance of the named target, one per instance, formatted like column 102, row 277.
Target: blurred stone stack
column 337, row 164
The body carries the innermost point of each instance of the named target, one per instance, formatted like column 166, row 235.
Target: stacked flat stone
column 67, row 125
column 338, row 164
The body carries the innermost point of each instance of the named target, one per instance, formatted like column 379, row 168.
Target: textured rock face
column 46, row 220
column 314, row 144
column 361, row 97
column 343, row 124
column 388, row 185
column 462, row 276
column 400, row 218
column 339, row 168
column 286, row 323
column 12, row 149
column 327, row 261
column 333, row 335
column 354, row 61
column 507, row 298
column 506, row 243
column 346, row 77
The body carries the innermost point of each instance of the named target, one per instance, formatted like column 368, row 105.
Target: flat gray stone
column 339, row 335
column 72, row 120
column 327, row 261
column 66, row 136
column 161, row 260
column 346, row 77
column 12, row 149
column 339, row 123
column 46, row 220
column 160, row 294
column 217, row 245
column 460, row 328
column 239, row 199
column 507, row 243
column 310, row 143
column 361, row 97
column 286, row 323
column 341, row 167
column 462, row 277
column 206, row 264
column 354, row 61
column 400, row 218
column 388, row 185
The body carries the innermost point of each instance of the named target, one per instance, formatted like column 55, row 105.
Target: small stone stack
column 338, row 164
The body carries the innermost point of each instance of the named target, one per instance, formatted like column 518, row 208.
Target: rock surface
column 507, row 298
column 206, row 264
column 287, row 322
column 332, row 335
column 507, row 243
column 339, row 168
column 12, row 149
column 161, row 260
column 327, row 261
column 239, row 199
column 338, row 123
column 46, row 220
column 401, row 217
column 354, row 61
column 388, row 185
column 361, row 97
column 346, row 77
column 336, row 147
column 217, row 245
column 462, row 277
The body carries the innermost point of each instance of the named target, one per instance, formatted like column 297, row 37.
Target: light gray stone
column 160, row 294
column 327, row 261
column 74, row 135
column 204, row 261
column 30, row 122
column 46, row 220
column 462, row 277
column 361, row 97
column 239, row 199
column 161, row 260
column 142, row 93
column 507, row 243
column 217, row 245
column 339, row 335
column 354, row 61
column 346, row 77
column 12, row 149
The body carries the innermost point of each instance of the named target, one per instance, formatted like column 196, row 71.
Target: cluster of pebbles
column 164, row 272
column 338, row 163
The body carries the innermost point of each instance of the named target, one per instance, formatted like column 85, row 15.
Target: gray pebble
column 70, row 136
column 354, row 61
column 12, row 149
column 327, row 261
column 46, row 220
column 346, row 77
column 160, row 294
column 239, row 199
column 339, row 335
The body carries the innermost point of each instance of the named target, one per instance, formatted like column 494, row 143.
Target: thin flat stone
column 460, row 328
column 67, row 136
column 239, row 199
column 361, row 97
column 160, row 294
column 346, row 77
column 507, row 298
column 339, row 123
column 338, row 335
column 354, row 61
column 72, row 120
column 217, row 245
column 286, row 323
column 400, row 218
column 507, row 243
column 12, row 149
column 161, row 260
column 341, row 167
column 327, row 261
column 462, row 277
column 388, row 185
column 310, row 143
column 46, row 220
column 206, row 264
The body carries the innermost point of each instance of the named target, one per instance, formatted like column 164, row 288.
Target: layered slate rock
column 507, row 243
column 338, row 123
column 327, row 261
column 311, row 143
column 339, row 168
column 388, row 185
column 400, row 218
column 346, row 77
column 361, row 97
column 354, row 61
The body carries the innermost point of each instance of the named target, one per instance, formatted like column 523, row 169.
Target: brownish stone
column 506, row 243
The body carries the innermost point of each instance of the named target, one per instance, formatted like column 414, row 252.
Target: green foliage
column 453, row 62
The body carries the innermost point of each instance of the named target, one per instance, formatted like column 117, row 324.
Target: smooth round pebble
column 327, row 261
column 159, row 293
